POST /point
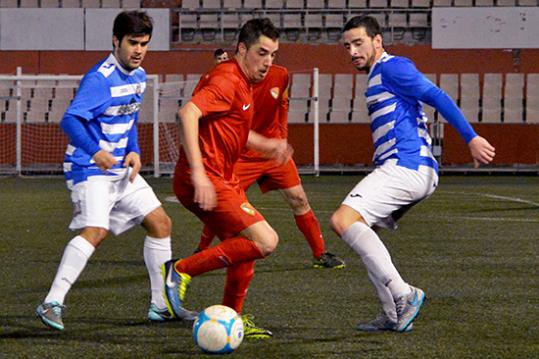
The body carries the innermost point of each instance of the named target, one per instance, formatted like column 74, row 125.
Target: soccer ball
column 218, row 330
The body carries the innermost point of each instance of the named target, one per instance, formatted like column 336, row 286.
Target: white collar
column 115, row 61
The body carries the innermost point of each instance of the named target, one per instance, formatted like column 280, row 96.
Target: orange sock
column 206, row 237
column 229, row 252
column 309, row 226
column 238, row 278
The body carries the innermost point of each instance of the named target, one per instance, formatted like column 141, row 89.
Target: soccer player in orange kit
column 270, row 119
column 215, row 128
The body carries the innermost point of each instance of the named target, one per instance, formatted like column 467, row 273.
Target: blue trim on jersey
column 392, row 101
column 438, row 99
column 106, row 105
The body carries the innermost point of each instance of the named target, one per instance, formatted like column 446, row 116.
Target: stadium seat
column 29, row 3
column 465, row 3
column 378, row 3
column 252, row 4
column 400, row 3
column 491, row 98
column 211, row 4
column 484, row 2
column 398, row 20
column 333, row 26
column 114, row 4
column 313, row 26
column 315, row 4
column 323, row 111
column 91, row 3
column 71, row 3
column 188, row 26
column 274, row 4
column 339, row 117
column 50, row 3
column 231, row 24
column 341, row 104
column 189, row 5
column 275, row 18
column 131, row 4
column 232, row 4
column 513, row 98
column 336, row 4
column 292, row 25
column 301, row 84
column 357, row 4
column 294, row 4
column 450, row 84
column 296, row 117
column 419, row 20
column 208, row 26
column 469, row 96
column 343, row 86
column 527, row 2
column 8, row 3
column 360, row 86
column 325, row 86
column 360, row 113
column 35, row 117
column 506, row 2
column 421, row 3
column 441, row 3
column 381, row 18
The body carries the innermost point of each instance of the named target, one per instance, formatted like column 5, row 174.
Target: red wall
column 297, row 57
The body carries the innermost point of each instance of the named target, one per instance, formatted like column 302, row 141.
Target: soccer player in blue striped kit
column 101, row 168
column 406, row 171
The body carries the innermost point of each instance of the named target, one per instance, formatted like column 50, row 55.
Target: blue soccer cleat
column 51, row 314
column 175, row 289
column 408, row 307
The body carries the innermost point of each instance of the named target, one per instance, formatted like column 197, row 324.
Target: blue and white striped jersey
column 398, row 123
column 109, row 99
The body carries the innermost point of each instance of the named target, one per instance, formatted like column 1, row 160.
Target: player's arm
column 277, row 149
column 408, row 82
column 74, row 127
column 92, row 99
column 205, row 194
column 481, row 150
column 132, row 159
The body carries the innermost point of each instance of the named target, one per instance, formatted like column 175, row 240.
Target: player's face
column 363, row 50
column 258, row 59
column 131, row 50
column 221, row 58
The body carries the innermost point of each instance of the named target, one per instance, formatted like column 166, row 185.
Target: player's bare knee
column 268, row 243
column 94, row 235
column 337, row 223
column 158, row 224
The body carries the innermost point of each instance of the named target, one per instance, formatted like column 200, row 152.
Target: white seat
column 189, row 5
column 294, row 4
column 484, row 2
column 398, row 19
column 465, row 3
column 527, row 2
column 110, row 4
column 29, row 3
column 491, row 110
column 378, row 3
column 71, row 3
column 315, row 4
column 91, row 3
column 441, row 3
column 35, row 117
column 232, row 4
column 357, row 4
column 296, row 117
column 336, row 4
column 50, row 3
column 513, row 110
column 131, row 4
column 450, row 84
column 339, row 117
column 400, row 3
column 274, row 4
column 252, row 4
column 211, row 4
column 419, row 20
column 421, row 3
column 341, row 104
column 8, row 3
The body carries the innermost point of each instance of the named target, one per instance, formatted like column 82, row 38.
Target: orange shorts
column 267, row 173
column 232, row 214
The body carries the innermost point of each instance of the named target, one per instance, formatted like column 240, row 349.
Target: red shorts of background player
column 232, row 214
column 269, row 175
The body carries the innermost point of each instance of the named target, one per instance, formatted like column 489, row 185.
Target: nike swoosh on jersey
column 355, row 195
column 246, row 107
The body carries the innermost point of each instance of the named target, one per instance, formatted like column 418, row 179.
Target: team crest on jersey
column 248, row 208
column 274, row 92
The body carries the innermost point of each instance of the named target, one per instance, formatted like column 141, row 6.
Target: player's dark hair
column 137, row 23
column 218, row 53
column 372, row 28
column 254, row 28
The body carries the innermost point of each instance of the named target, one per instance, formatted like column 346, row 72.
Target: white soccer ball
column 218, row 330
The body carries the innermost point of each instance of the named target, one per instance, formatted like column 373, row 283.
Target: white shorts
column 389, row 191
column 113, row 204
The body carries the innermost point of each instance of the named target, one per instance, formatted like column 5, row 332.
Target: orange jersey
column 270, row 100
column 225, row 99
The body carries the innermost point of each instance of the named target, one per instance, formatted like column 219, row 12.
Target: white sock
column 365, row 242
column 156, row 252
column 76, row 255
column 386, row 299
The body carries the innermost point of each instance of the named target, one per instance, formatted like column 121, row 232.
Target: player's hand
column 281, row 152
column 205, row 194
column 104, row 160
column 133, row 160
column 481, row 150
